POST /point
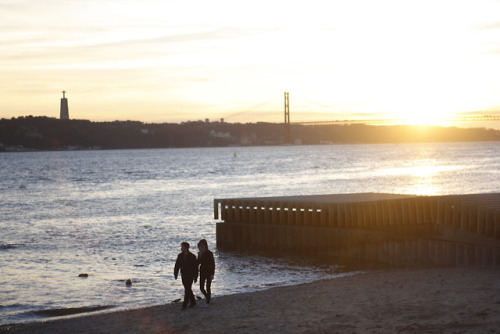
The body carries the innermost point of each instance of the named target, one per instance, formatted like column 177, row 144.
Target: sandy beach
column 431, row 300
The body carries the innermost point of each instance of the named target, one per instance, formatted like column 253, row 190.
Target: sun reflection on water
column 422, row 178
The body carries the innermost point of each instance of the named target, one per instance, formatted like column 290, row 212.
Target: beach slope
column 434, row 300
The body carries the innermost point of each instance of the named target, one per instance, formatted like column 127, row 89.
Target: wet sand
column 434, row 300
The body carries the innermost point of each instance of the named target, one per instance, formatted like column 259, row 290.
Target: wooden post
column 333, row 215
column 457, row 209
column 274, row 214
column 448, row 214
column 489, row 229
column 497, row 224
column 473, row 219
column 341, row 215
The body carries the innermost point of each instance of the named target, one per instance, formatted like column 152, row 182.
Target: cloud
column 84, row 47
column 489, row 26
column 493, row 52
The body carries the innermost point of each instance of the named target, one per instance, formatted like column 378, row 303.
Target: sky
column 172, row 61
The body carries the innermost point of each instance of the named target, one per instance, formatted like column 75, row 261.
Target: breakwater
column 387, row 228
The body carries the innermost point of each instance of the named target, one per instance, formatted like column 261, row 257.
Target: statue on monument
column 64, row 112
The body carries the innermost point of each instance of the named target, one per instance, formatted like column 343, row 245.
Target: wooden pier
column 387, row 228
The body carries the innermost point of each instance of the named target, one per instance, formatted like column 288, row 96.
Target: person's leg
column 187, row 288
column 209, row 291
column 189, row 291
column 202, row 285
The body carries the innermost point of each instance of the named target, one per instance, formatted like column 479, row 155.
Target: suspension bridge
column 303, row 111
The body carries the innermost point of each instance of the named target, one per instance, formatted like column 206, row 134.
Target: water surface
column 120, row 215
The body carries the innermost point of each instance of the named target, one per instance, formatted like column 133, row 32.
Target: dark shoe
column 192, row 305
column 184, row 307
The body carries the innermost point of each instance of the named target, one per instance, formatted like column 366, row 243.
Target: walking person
column 207, row 269
column 188, row 265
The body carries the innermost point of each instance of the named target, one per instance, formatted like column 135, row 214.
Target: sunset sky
column 172, row 61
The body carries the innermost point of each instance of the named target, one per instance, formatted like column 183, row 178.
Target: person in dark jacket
column 188, row 266
column 207, row 268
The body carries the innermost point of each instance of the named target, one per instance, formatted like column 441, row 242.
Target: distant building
column 247, row 138
column 64, row 107
column 218, row 134
column 147, row 131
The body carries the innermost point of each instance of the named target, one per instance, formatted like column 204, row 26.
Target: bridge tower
column 64, row 107
column 287, row 118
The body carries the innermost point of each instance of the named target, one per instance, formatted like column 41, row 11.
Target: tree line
column 43, row 133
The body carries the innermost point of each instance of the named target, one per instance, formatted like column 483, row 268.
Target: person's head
column 184, row 247
column 202, row 245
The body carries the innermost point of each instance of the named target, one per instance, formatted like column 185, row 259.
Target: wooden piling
column 451, row 229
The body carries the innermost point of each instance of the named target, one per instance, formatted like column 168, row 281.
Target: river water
column 119, row 215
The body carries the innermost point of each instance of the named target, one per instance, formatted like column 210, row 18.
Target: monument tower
column 64, row 107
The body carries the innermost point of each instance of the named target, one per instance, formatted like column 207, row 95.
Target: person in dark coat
column 207, row 268
column 187, row 264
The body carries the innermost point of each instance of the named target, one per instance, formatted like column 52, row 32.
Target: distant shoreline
column 47, row 134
